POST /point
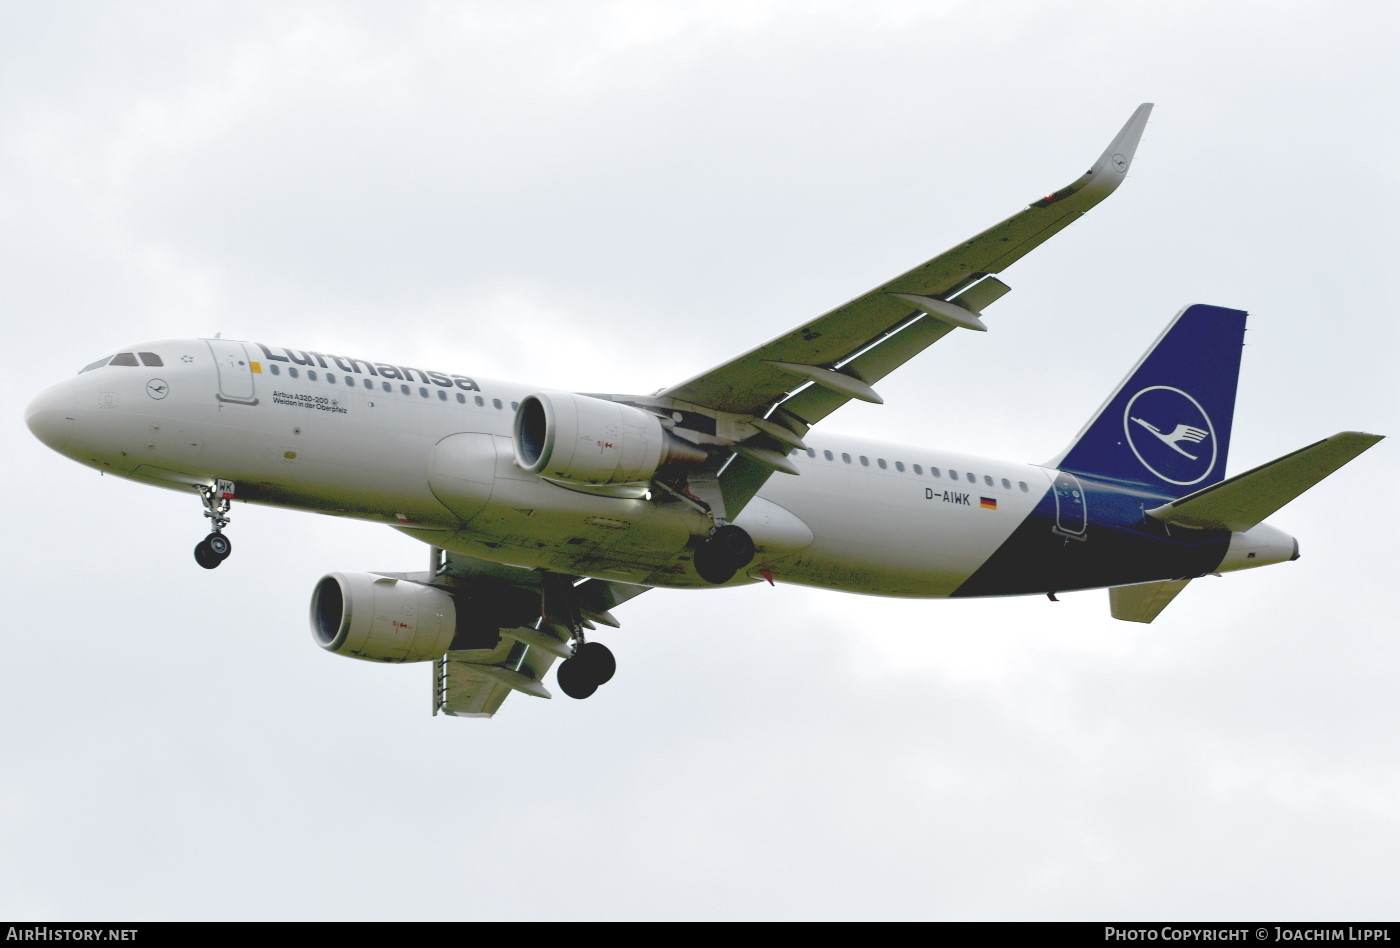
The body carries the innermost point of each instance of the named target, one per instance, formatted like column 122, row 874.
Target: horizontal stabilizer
column 1145, row 601
column 1245, row 500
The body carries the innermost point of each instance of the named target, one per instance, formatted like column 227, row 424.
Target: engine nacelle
column 380, row 619
column 586, row 442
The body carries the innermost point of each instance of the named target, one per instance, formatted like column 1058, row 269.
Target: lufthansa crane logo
column 1171, row 434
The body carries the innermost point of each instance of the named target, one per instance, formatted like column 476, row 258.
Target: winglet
column 1112, row 167
column 1119, row 154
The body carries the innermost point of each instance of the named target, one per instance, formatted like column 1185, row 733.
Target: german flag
column 988, row 503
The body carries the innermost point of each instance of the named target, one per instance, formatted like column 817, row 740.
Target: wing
column 518, row 622
column 845, row 350
column 783, row 387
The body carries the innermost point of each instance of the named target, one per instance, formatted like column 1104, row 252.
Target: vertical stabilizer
column 1167, row 426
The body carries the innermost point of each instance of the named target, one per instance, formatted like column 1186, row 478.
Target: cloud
column 616, row 197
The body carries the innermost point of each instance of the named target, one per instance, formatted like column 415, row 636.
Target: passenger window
column 935, row 472
column 1005, row 484
column 514, row 406
column 150, row 358
column 461, row 399
column 811, row 452
column 496, row 402
column 330, row 378
column 987, row 479
column 292, row 371
column 405, row 390
column 351, row 382
column 953, row 475
column 96, row 365
column 123, row 358
column 899, row 466
column 387, row 387
column 883, row 465
column 828, row 455
column 442, row 396
column 1024, row 488
column 480, row 402
column 423, row 392
column 311, row 374
column 918, row 469
column 369, row 384
column 845, row 457
column 274, row 369
column 864, row 461
column 972, row 478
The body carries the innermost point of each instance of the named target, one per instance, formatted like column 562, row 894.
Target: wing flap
column 811, row 405
column 460, row 691
column 1246, row 500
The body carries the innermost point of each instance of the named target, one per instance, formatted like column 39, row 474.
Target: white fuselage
column 432, row 455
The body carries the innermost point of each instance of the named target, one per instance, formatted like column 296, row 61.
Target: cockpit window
column 125, row 358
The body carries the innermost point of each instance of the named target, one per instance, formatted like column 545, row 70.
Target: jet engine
column 381, row 619
column 583, row 442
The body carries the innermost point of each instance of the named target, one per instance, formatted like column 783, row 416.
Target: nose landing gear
column 215, row 548
column 212, row 550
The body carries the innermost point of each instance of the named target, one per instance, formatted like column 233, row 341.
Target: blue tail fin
column 1167, row 427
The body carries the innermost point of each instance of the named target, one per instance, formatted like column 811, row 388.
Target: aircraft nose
column 50, row 415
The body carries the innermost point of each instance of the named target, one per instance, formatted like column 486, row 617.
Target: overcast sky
column 614, row 196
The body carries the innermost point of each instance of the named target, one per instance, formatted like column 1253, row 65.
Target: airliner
column 545, row 510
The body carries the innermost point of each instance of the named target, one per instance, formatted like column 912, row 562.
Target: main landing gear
column 215, row 548
column 591, row 666
column 727, row 550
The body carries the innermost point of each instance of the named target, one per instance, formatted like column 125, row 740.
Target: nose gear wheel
column 215, row 548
